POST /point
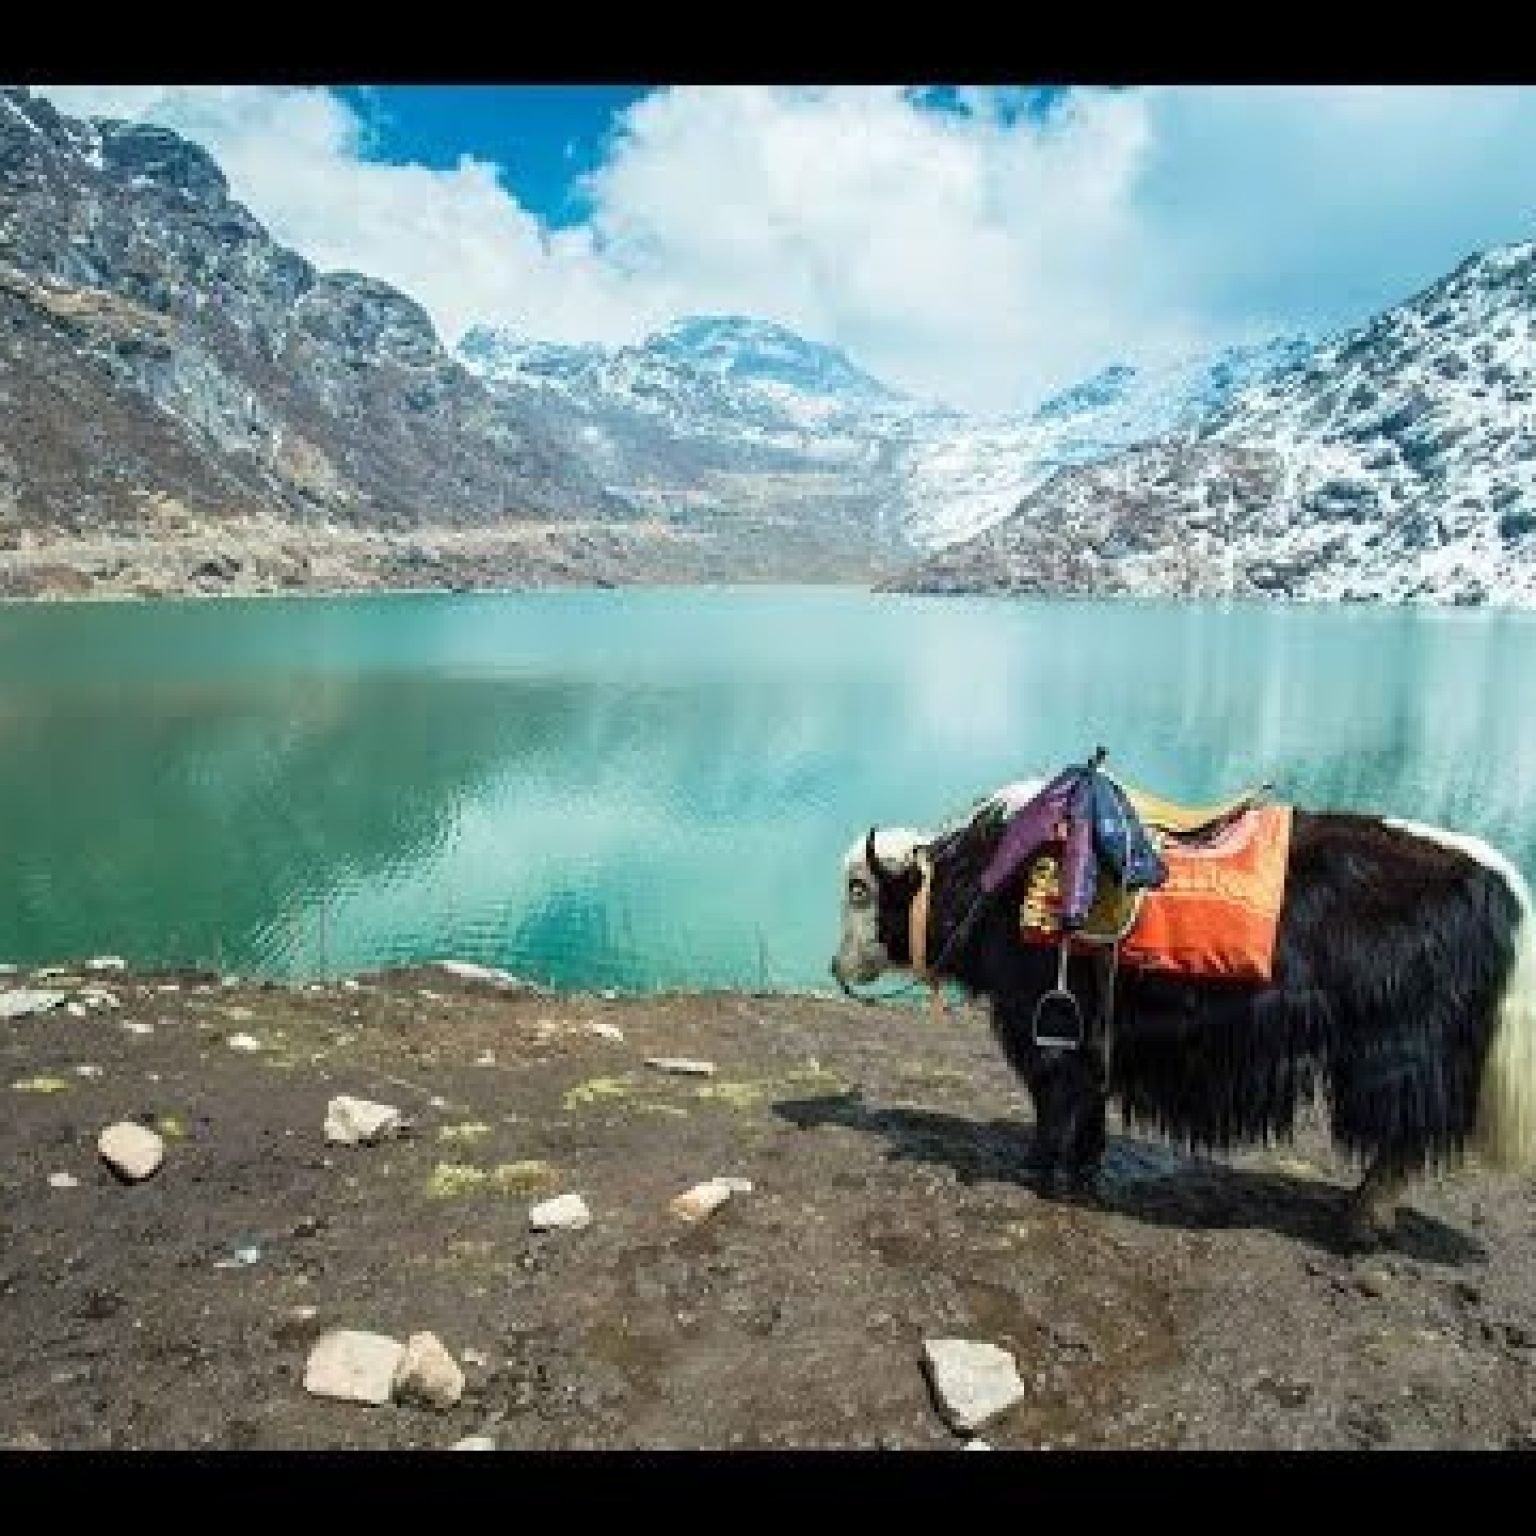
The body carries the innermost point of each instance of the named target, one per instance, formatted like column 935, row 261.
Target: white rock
column 474, row 1443
column 684, row 1065
column 76, row 1010
column 977, row 1445
column 486, row 1059
column 696, row 1203
column 475, row 1357
column 351, row 1121
column 568, row 1212
column 87, row 1069
column 138, row 1027
column 427, row 1373
column 605, row 1031
column 7, row 970
column 244, row 1043
column 169, row 986
column 973, row 1381
column 63, row 1181
column 466, row 971
column 229, row 981
column 107, row 963
column 21, row 1002
column 349, row 985
column 239, row 1015
column 99, row 997
column 355, row 1366
column 132, row 1151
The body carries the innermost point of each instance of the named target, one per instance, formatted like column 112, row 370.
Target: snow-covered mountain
column 963, row 475
column 1398, row 462
column 722, row 412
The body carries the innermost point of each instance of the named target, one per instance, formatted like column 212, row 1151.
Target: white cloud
column 977, row 254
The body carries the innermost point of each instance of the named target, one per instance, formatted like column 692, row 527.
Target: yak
column 1402, row 991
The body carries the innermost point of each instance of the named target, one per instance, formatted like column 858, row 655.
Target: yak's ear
column 873, row 860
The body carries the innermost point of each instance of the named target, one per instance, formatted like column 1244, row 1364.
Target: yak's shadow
column 1147, row 1181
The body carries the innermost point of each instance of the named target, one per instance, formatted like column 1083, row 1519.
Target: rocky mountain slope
column 165, row 365
column 1398, row 462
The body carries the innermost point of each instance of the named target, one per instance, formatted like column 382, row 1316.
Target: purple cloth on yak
column 1065, row 800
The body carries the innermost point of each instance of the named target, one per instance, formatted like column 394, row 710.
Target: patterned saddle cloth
column 1216, row 915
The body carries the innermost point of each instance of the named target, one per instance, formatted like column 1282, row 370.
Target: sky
column 978, row 245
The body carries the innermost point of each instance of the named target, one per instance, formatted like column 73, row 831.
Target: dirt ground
column 1200, row 1305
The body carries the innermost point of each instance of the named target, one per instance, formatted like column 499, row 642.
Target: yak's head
column 880, row 878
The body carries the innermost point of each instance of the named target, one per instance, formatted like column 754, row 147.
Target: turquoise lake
column 653, row 789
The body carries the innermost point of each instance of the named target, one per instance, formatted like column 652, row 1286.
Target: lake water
column 653, row 789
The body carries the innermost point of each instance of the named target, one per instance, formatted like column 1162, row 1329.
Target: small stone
column 7, row 970
column 169, row 986
column 87, row 1069
column 24, row 1001
column 229, row 981
column 1372, row 1280
column 486, row 1059
column 63, row 1181
column 697, row 1203
column 683, row 1065
column 428, row 1374
column 973, row 1381
column 352, row 1121
column 244, row 1043
column 474, row 1357
column 133, row 1152
column 239, row 1015
column 566, row 1212
column 349, row 985
column 76, row 1010
column 977, row 1445
column 107, row 963
column 138, row 1027
column 98, row 997
column 605, row 1031
column 474, row 1443
column 352, row 1365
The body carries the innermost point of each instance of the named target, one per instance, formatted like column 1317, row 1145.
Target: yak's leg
column 1372, row 1212
column 1069, row 1095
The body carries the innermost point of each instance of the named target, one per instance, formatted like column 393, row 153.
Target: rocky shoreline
column 272, row 557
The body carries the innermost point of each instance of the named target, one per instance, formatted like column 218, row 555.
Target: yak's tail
column 1506, row 1107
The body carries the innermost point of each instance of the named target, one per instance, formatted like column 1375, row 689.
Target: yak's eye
column 858, row 892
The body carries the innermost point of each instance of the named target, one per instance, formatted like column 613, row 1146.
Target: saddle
column 1192, row 890
column 1191, row 823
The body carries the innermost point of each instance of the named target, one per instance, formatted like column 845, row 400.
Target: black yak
column 1403, row 988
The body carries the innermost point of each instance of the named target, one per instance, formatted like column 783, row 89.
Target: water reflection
column 653, row 789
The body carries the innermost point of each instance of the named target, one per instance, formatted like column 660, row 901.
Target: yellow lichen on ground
column 451, row 1180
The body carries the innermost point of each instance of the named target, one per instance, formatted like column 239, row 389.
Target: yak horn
column 872, row 859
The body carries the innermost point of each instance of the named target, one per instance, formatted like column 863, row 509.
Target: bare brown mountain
column 166, row 366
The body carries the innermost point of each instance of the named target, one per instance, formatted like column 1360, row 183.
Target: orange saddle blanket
column 1216, row 915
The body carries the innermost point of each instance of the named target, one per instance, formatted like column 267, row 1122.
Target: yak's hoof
column 1365, row 1230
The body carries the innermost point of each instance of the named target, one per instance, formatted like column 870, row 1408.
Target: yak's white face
column 861, row 957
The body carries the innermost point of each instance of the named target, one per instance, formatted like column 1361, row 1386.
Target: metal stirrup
column 1060, row 994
